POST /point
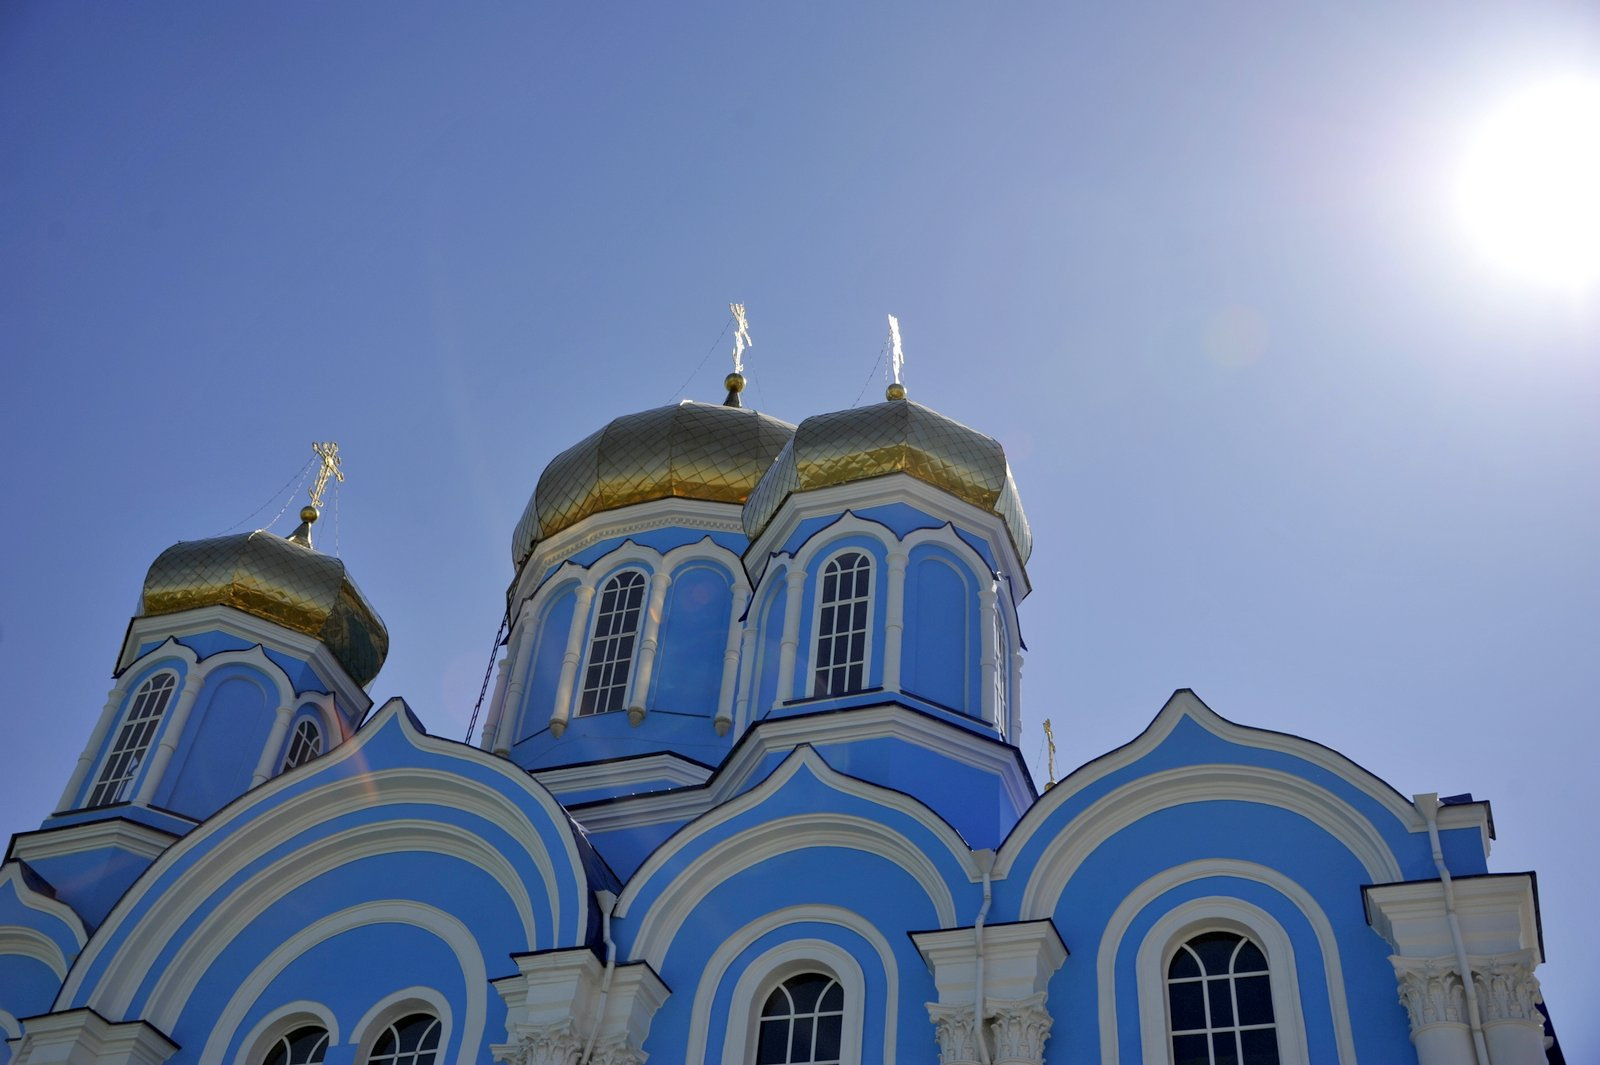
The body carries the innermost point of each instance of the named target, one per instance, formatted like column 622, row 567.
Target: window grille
column 412, row 1040
column 133, row 740
column 1219, row 999
column 616, row 631
column 303, row 1046
column 842, row 625
column 802, row 1022
column 306, row 745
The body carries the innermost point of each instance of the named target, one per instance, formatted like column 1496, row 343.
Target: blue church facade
column 748, row 793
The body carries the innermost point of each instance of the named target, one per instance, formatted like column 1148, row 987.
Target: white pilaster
column 167, row 742
column 1019, row 960
column 730, row 668
column 274, row 744
column 640, row 682
column 894, row 615
column 555, row 1007
column 795, row 583
column 569, row 660
column 110, row 714
column 747, row 665
column 492, row 739
column 988, row 657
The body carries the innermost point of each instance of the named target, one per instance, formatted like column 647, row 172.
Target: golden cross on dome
column 741, row 335
column 897, row 361
column 1050, row 738
column 329, row 454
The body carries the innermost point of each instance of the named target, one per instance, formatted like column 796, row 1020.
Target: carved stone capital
column 546, row 1044
column 1507, row 988
column 1431, row 991
column 957, row 1033
column 1018, row 1029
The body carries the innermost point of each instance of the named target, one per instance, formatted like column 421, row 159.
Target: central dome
column 686, row 451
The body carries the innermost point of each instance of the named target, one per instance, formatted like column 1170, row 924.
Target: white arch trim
column 780, row 963
column 1154, row 950
column 1199, row 784
column 717, row 968
column 275, row 826
column 233, row 915
column 274, row 1025
column 391, row 1008
column 31, row 943
column 11, row 874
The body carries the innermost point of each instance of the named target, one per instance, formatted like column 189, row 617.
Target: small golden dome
column 896, row 436
column 279, row 581
column 687, row 451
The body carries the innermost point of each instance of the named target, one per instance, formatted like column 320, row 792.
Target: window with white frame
column 844, row 600
column 305, row 745
column 1219, row 1002
column 305, row 1045
column 133, row 741
column 411, row 1040
column 802, row 1022
column 616, row 632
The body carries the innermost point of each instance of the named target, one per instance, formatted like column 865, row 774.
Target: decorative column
column 1496, row 918
column 730, row 667
column 91, row 752
column 167, row 742
column 512, row 681
column 647, row 646
column 555, row 1007
column 1019, row 960
column 894, row 622
column 747, row 666
column 274, row 744
column 491, row 738
column 569, row 660
column 1016, row 694
column 795, row 583
column 989, row 655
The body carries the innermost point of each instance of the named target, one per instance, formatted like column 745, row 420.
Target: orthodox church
column 748, row 792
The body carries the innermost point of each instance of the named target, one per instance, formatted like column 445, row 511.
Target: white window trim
column 1218, row 914
column 314, row 718
column 775, row 966
column 815, row 578
column 590, row 623
column 131, row 785
column 364, row 1036
column 280, row 1022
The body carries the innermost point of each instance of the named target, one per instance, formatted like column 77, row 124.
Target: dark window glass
column 303, row 1046
column 1219, row 1002
column 138, row 731
column 842, row 625
column 412, row 1040
column 801, row 1022
column 616, row 627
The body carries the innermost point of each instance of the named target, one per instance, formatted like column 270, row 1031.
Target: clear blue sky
column 1282, row 437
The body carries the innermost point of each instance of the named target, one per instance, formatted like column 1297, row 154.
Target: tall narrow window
column 1219, row 998
column 412, row 1040
column 303, row 1046
column 801, row 1022
column 133, row 740
column 616, row 630
column 842, row 625
column 306, row 745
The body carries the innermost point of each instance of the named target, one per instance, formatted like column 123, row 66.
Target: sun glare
column 1530, row 186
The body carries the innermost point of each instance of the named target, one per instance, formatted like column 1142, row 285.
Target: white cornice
column 155, row 629
column 1497, row 912
column 112, row 832
column 879, row 491
column 779, row 735
column 678, row 772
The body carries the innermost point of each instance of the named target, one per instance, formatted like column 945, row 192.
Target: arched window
column 412, row 1040
column 616, row 631
column 841, row 663
column 1219, row 1000
column 802, row 1022
column 133, row 740
column 304, row 746
column 303, row 1046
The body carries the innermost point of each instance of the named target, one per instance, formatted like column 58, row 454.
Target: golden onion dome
column 897, row 436
column 278, row 580
column 687, row 451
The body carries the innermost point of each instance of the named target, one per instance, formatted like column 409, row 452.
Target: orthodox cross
column 1050, row 738
column 329, row 454
column 741, row 336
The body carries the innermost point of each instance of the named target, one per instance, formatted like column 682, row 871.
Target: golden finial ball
column 734, row 382
column 895, row 391
column 308, row 514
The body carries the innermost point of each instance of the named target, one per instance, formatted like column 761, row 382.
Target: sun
column 1530, row 184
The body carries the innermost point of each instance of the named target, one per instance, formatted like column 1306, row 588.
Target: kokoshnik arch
column 748, row 793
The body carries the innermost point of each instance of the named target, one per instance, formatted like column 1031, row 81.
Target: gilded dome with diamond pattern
column 687, row 451
column 278, row 580
column 897, row 436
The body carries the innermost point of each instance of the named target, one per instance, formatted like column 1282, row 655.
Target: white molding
column 19, row 941
column 1185, row 704
column 677, row 772
column 782, row 734
column 245, row 626
column 234, row 849
column 82, row 1035
column 1184, row 785
column 11, row 872
column 805, row 504
column 876, row 571
column 1497, row 914
column 393, row 1007
column 117, row 832
column 740, row 1012
column 1218, row 913
column 1111, row 941
column 673, row 513
column 270, row 1028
